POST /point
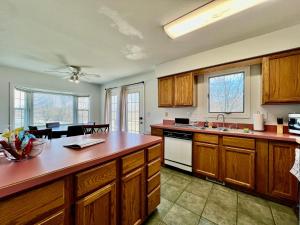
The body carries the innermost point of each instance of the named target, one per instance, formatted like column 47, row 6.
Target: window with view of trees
column 52, row 108
column 226, row 93
column 38, row 108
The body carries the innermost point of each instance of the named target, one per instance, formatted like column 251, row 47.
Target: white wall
column 276, row 41
column 41, row 81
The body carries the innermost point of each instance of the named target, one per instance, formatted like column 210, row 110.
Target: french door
column 134, row 115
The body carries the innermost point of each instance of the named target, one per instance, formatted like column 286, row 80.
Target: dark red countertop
column 252, row 134
column 56, row 161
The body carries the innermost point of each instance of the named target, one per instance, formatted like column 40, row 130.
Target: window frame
column 247, row 93
column 29, row 104
column 77, row 110
column 115, row 92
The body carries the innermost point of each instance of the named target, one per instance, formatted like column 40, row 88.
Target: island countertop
column 57, row 161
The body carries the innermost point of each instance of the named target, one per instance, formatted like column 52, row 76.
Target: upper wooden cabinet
column 281, row 78
column 184, row 89
column 178, row 90
column 166, row 91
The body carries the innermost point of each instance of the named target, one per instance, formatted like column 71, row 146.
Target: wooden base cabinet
column 133, row 197
column 98, row 208
column 282, row 184
column 205, row 159
column 238, row 166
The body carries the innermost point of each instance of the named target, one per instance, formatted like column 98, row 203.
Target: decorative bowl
column 13, row 154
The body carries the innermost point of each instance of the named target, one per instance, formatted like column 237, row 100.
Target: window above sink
column 228, row 92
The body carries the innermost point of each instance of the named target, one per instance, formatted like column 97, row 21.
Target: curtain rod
column 141, row 82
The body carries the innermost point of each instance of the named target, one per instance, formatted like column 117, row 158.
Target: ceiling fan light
column 207, row 14
column 76, row 78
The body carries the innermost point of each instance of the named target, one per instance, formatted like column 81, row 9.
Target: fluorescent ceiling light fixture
column 207, row 14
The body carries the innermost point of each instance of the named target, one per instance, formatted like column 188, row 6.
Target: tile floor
column 187, row 200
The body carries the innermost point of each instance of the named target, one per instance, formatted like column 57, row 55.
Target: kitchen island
column 115, row 182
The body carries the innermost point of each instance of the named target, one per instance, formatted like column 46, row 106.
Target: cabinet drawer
column 153, row 182
column 154, row 152
column 94, row 178
column 153, row 200
column 207, row 138
column 153, row 168
column 239, row 142
column 57, row 219
column 132, row 161
column 33, row 204
column 157, row 132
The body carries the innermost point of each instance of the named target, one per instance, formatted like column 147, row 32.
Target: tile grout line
column 206, row 203
column 237, row 208
column 271, row 212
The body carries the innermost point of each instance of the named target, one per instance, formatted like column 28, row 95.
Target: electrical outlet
column 166, row 114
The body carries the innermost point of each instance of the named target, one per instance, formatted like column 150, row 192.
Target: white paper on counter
column 296, row 167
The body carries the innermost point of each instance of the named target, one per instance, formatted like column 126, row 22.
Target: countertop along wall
column 33, row 80
column 280, row 40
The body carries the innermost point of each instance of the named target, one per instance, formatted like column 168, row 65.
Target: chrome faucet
column 220, row 114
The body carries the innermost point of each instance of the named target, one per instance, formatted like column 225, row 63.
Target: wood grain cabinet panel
column 31, row 205
column 282, row 183
column 55, row 219
column 281, row 78
column 132, row 161
column 205, row 159
column 207, row 138
column 239, row 142
column 95, row 178
column 153, row 200
column 184, row 90
column 133, row 197
column 166, row 91
column 238, row 166
column 98, row 208
column 153, row 182
column 153, row 167
column 154, row 152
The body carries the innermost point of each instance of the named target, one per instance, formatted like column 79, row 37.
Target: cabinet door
column 282, row 183
column 166, row 91
column 98, row 208
column 184, row 90
column 55, row 219
column 133, row 197
column 281, row 77
column 205, row 159
column 238, row 166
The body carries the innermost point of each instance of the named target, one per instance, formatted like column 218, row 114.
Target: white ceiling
column 119, row 38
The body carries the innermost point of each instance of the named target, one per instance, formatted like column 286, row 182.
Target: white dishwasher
column 178, row 149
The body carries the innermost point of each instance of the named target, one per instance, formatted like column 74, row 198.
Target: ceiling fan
column 75, row 73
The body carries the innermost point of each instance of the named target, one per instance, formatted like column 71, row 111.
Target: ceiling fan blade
column 55, row 71
column 63, row 59
column 65, row 77
column 91, row 75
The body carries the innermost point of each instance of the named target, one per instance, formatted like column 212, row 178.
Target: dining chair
column 45, row 133
column 32, row 127
column 52, row 124
column 75, row 131
column 99, row 128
